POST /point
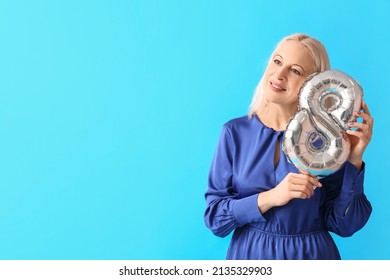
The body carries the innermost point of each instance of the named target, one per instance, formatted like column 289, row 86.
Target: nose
column 280, row 73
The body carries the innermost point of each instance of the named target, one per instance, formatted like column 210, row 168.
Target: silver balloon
column 315, row 139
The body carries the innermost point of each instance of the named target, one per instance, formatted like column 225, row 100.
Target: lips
column 277, row 87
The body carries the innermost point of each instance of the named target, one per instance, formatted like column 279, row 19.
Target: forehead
column 294, row 52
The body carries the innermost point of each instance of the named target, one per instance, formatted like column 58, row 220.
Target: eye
column 296, row 72
column 277, row 61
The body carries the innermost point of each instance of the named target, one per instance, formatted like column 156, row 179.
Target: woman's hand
column 292, row 186
column 361, row 137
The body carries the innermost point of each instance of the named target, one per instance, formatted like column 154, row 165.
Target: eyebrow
column 293, row 64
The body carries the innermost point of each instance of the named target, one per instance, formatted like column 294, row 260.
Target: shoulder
column 236, row 123
column 240, row 127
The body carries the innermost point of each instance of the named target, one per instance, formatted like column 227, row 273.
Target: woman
column 275, row 211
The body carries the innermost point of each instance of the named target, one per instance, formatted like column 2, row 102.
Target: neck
column 276, row 116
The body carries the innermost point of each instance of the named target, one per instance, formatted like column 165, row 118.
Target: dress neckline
column 267, row 127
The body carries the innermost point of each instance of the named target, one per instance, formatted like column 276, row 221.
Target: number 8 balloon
column 315, row 139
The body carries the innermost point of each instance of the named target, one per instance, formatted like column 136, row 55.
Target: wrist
column 263, row 201
column 358, row 162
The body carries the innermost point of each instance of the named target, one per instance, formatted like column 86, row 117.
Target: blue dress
column 243, row 166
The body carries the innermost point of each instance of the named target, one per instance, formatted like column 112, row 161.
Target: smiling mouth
column 276, row 87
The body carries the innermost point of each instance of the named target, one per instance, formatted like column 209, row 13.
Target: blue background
column 110, row 112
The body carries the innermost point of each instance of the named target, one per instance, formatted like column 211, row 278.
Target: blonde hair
column 318, row 54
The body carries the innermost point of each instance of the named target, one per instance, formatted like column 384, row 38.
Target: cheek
column 297, row 84
column 270, row 68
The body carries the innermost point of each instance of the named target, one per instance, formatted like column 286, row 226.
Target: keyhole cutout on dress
column 277, row 153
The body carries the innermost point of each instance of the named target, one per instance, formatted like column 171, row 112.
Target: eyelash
column 277, row 61
column 295, row 71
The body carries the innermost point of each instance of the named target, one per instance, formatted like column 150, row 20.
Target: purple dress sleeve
column 226, row 210
column 347, row 209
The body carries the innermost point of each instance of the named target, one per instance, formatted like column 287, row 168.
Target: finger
column 362, row 115
column 307, row 188
column 365, row 108
column 297, row 194
column 363, row 136
column 307, row 173
column 361, row 126
column 304, row 193
column 311, row 179
column 303, row 171
column 302, row 182
column 366, row 117
column 315, row 182
column 356, row 133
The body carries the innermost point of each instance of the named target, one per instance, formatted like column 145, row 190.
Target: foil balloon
column 315, row 139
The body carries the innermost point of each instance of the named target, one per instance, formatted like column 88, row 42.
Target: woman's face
column 288, row 68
